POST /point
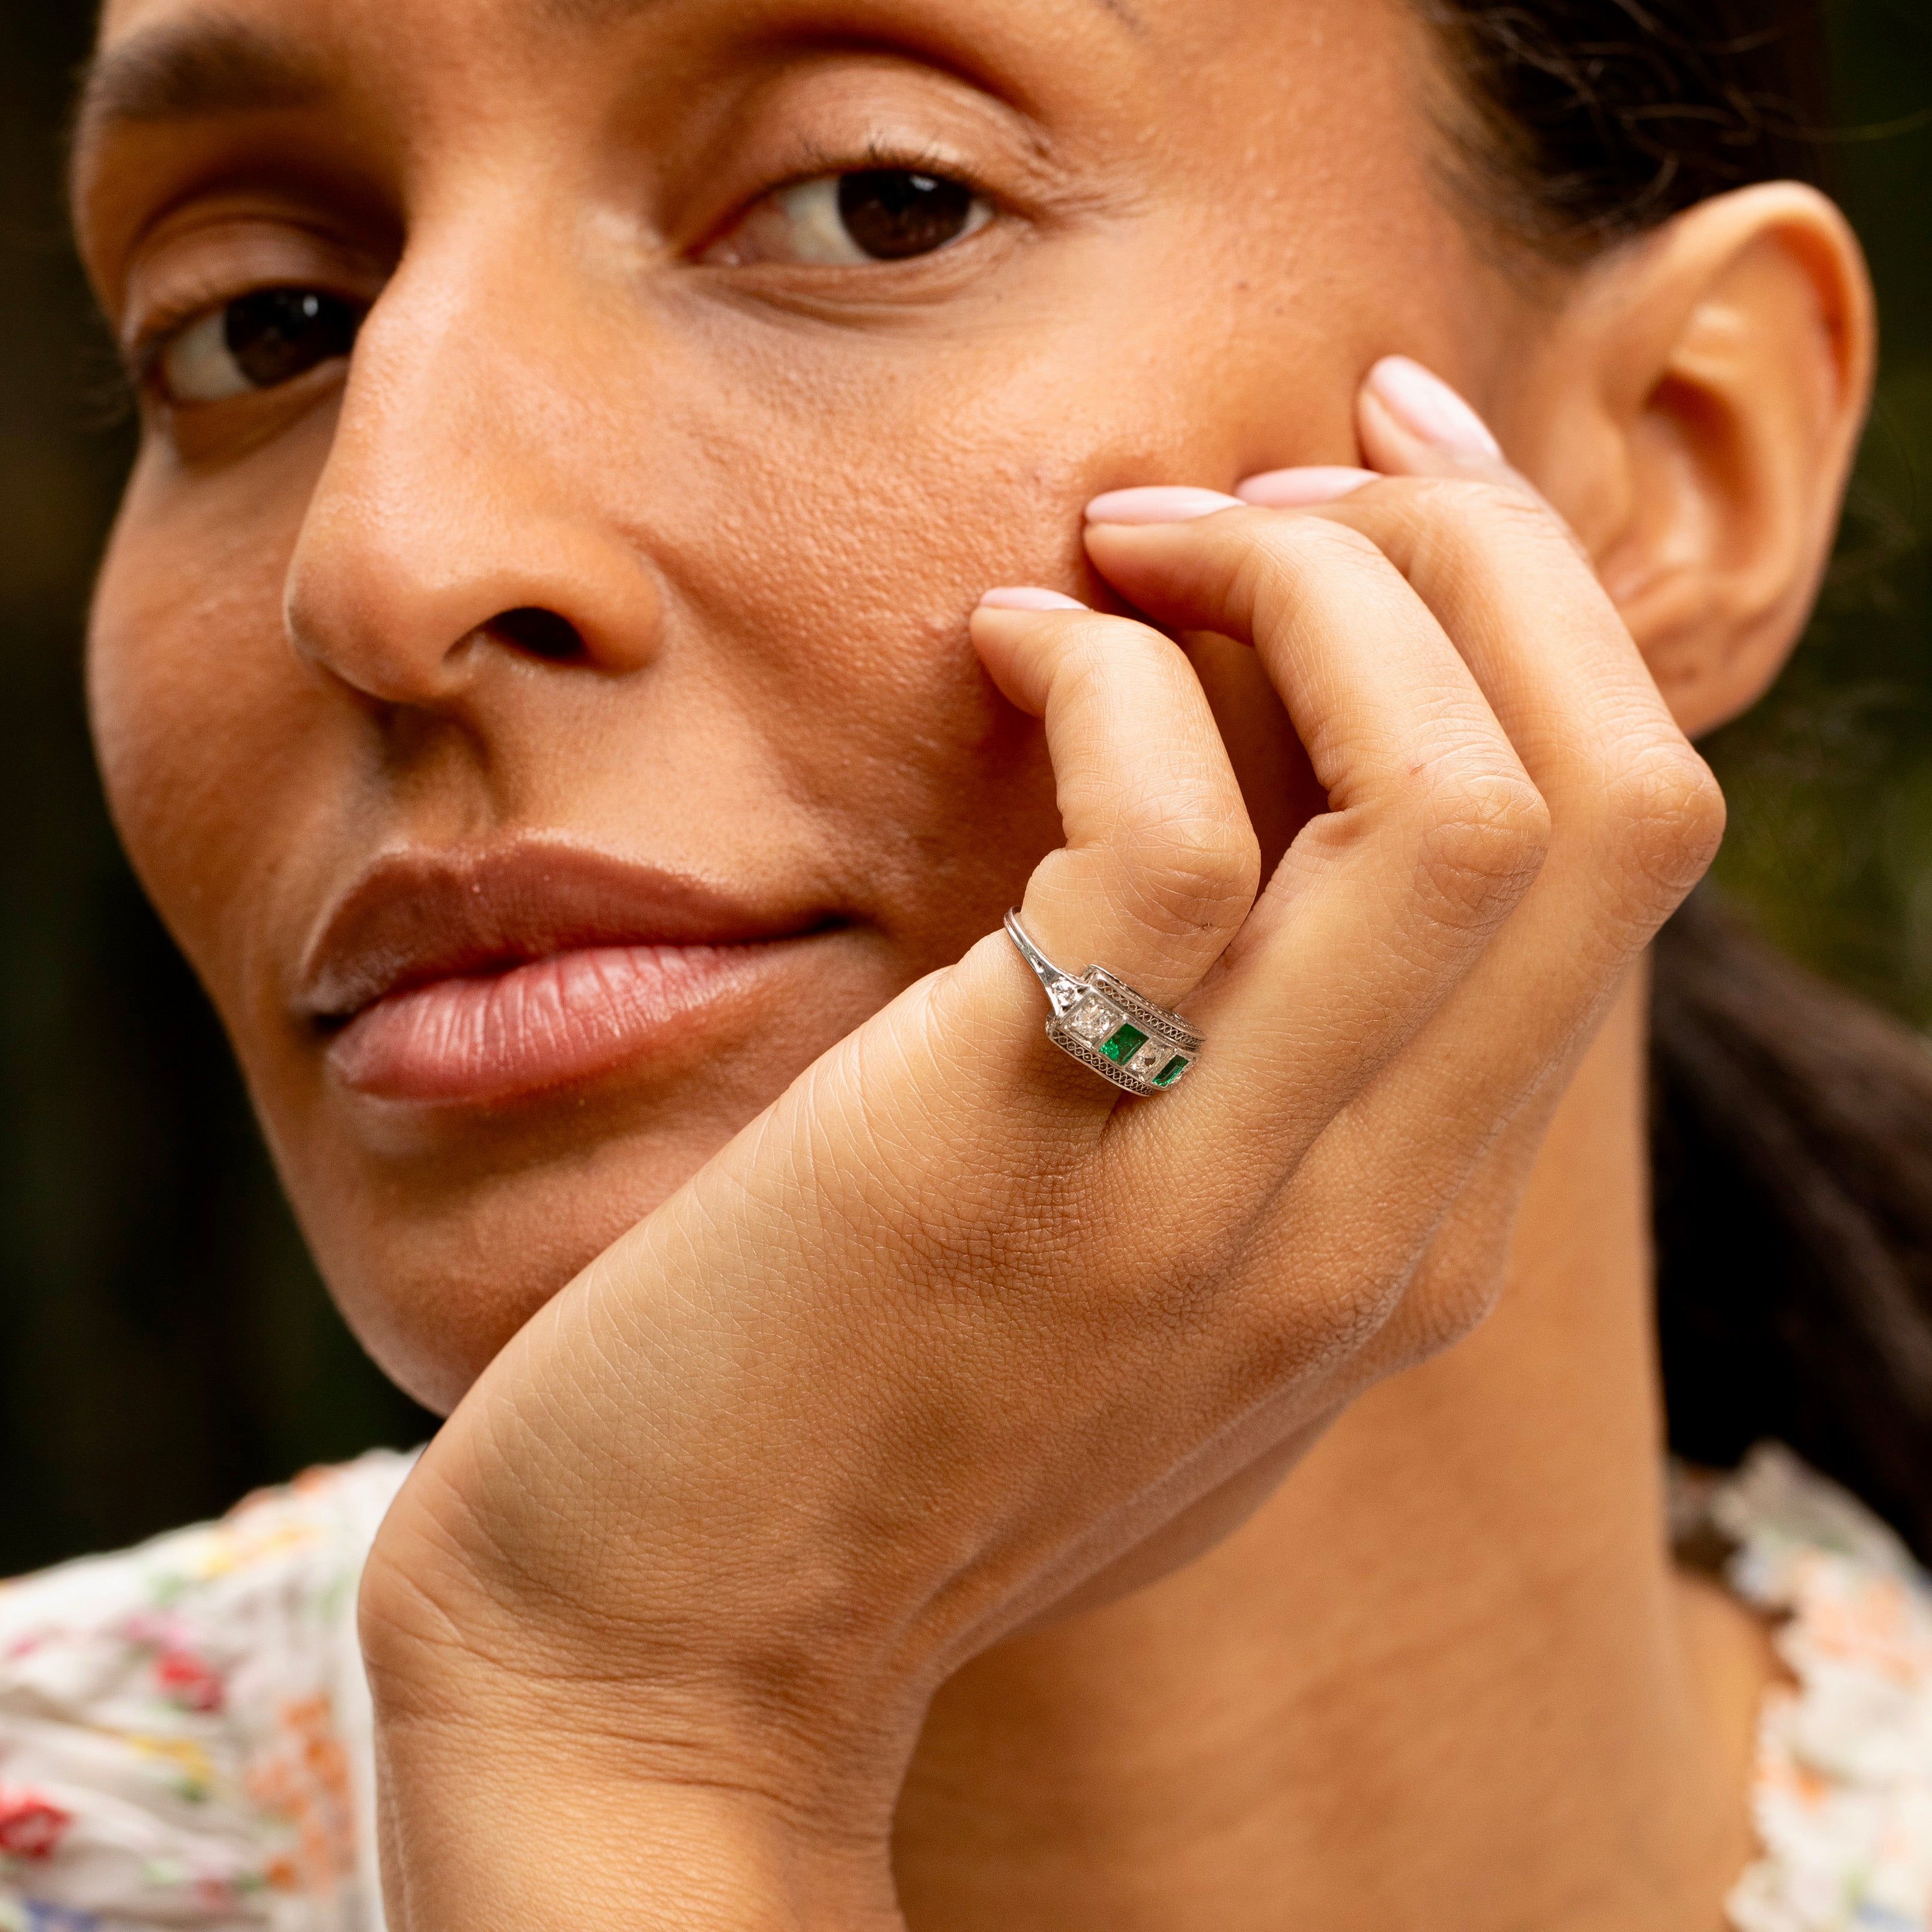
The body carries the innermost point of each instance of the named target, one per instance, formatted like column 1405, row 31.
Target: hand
column 952, row 1336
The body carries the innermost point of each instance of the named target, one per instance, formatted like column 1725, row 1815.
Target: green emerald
column 1122, row 1046
column 1172, row 1071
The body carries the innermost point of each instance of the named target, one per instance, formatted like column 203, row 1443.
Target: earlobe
column 1734, row 352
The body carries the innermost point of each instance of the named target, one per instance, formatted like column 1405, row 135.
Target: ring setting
column 1104, row 1024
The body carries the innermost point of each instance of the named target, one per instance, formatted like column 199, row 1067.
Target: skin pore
column 1446, row 1674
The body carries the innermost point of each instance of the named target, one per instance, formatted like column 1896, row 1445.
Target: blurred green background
column 1831, row 782
column 166, row 1346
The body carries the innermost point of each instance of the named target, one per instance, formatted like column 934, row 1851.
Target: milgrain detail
column 1101, row 1021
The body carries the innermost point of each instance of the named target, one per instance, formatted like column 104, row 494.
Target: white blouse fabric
column 184, row 1728
column 185, row 1736
column 1843, row 1800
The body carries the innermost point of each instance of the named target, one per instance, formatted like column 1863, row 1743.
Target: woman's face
column 549, row 728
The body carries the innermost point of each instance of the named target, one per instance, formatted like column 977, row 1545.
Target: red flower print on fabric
column 31, row 1826
column 189, row 1682
column 184, row 1678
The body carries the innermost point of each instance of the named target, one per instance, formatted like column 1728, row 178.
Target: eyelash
column 815, row 162
column 141, row 355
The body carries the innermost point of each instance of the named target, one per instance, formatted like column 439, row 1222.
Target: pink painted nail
column 1428, row 407
column 1025, row 597
column 1160, row 504
column 1314, row 483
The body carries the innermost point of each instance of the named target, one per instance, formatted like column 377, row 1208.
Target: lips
column 462, row 978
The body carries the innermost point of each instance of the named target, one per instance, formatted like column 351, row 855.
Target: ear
column 1702, row 396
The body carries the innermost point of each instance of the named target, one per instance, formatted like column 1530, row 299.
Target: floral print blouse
column 185, row 1736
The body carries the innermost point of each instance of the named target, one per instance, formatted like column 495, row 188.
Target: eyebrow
column 600, row 13
column 191, row 69
column 210, row 65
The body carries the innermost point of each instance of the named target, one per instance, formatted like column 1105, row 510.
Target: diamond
column 1093, row 1020
column 1173, row 1070
column 1149, row 1060
column 1122, row 1046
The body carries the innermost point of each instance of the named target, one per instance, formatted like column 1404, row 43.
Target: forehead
column 1245, row 112
column 198, row 45
column 1196, row 81
column 162, row 61
column 445, row 25
column 1181, row 74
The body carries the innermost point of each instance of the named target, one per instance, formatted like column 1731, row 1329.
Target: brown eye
column 891, row 214
column 872, row 215
column 256, row 341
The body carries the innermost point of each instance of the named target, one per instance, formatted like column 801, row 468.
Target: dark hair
column 1596, row 119
column 1791, row 1124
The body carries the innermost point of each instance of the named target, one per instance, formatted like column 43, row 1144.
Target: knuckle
column 1192, row 868
column 1458, row 1283
column 1285, row 1325
column 1485, row 501
column 1089, row 649
column 1438, row 1314
column 1183, row 1282
column 1480, row 512
column 1668, row 814
column 1288, row 546
column 1485, row 835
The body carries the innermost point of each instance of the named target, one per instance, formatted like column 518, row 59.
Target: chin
column 440, row 1232
column 434, row 1281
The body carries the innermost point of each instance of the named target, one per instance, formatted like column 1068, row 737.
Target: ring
column 1104, row 1024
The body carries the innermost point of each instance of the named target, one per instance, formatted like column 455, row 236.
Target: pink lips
column 473, row 978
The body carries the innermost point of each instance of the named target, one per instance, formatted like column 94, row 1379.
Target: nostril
column 541, row 633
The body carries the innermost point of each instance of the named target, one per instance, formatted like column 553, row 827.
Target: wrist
column 519, row 1787
column 542, row 1827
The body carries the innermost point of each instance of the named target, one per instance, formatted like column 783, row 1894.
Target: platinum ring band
column 1104, row 1024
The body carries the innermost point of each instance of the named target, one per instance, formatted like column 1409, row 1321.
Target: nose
column 470, row 509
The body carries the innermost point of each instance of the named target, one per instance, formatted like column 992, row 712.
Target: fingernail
column 1025, row 597
column 1290, row 489
column 1161, row 504
column 1426, row 405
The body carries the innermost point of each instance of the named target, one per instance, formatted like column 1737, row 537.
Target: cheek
column 193, row 698
column 874, row 488
column 221, row 753
column 838, row 504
